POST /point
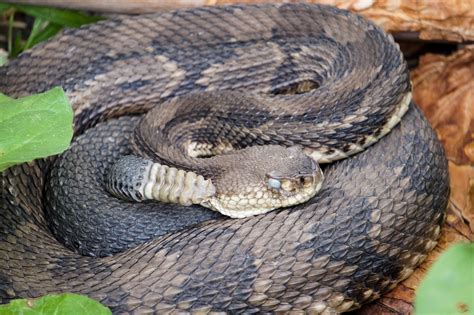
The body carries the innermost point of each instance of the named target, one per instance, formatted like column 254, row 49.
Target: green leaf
column 449, row 285
column 4, row 98
column 34, row 127
column 38, row 25
column 4, row 7
column 11, row 19
column 67, row 303
column 17, row 307
column 67, row 18
column 48, row 31
column 41, row 31
column 17, row 46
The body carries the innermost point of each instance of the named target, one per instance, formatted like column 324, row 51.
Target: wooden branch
column 450, row 20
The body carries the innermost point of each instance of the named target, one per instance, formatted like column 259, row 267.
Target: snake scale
column 375, row 219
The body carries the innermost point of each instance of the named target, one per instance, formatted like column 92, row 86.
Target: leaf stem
column 11, row 19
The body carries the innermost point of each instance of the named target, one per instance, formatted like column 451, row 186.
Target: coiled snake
column 328, row 80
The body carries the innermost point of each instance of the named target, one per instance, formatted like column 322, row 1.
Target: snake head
column 268, row 177
column 296, row 179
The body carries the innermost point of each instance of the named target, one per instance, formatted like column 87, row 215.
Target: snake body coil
column 375, row 219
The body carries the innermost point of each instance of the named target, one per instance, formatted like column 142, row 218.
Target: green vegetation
column 38, row 126
column 34, row 127
column 449, row 285
column 47, row 23
column 68, row 303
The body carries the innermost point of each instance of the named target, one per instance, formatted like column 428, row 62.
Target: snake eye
column 274, row 183
column 287, row 185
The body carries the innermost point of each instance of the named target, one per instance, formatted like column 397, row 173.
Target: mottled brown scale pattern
column 377, row 216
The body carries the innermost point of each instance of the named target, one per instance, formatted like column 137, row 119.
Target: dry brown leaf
column 443, row 88
column 451, row 20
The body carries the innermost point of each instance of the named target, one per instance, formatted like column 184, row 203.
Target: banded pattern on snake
column 375, row 219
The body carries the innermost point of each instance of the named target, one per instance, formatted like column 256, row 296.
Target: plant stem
column 11, row 19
